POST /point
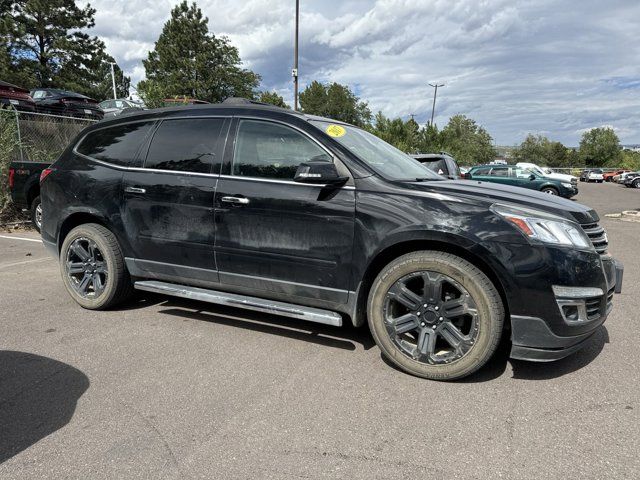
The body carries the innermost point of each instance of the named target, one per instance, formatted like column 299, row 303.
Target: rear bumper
column 533, row 340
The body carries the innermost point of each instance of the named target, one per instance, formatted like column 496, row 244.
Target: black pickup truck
column 24, row 184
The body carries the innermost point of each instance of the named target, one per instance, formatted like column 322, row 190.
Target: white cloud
column 515, row 66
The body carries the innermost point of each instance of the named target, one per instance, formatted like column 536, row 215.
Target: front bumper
column 533, row 340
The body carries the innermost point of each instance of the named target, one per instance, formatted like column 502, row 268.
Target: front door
column 168, row 202
column 274, row 234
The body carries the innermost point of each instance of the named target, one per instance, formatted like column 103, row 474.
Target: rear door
column 277, row 235
column 168, row 201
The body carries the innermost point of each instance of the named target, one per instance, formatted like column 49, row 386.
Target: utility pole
column 435, row 94
column 412, row 115
column 294, row 72
column 113, row 80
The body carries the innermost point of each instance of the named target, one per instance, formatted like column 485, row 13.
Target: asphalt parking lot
column 166, row 388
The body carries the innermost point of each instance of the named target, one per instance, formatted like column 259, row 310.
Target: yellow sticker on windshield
column 336, row 131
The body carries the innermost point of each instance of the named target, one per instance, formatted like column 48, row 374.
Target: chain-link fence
column 33, row 137
column 42, row 137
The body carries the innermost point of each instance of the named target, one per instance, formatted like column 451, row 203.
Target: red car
column 12, row 96
column 608, row 176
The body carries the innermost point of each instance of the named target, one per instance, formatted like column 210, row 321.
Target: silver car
column 118, row 106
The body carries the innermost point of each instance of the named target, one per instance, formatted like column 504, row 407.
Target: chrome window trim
column 215, row 175
column 142, row 169
column 286, row 182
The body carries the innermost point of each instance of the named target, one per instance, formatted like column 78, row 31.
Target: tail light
column 45, row 173
column 12, row 175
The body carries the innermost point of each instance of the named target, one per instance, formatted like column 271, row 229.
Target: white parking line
column 9, row 265
column 21, row 238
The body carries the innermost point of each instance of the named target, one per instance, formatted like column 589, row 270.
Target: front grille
column 598, row 237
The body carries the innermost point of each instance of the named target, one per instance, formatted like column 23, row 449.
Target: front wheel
column 549, row 191
column 435, row 315
column 93, row 268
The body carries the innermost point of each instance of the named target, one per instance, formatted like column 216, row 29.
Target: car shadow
column 38, row 396
column 345, row 337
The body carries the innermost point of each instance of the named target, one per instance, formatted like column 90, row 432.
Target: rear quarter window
column 118, row 145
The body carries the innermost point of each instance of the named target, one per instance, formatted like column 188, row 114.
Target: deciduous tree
column 335, row 101
column 600, row 147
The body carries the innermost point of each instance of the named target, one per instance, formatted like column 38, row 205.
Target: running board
column 310, row 314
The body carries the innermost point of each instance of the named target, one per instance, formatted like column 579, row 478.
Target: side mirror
column 319, row 172
column 532, row 177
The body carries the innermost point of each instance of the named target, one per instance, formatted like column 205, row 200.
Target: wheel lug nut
column 441, row 319
column 418, row 314
column 425, row 305
column 437, row 308
column 422, row 324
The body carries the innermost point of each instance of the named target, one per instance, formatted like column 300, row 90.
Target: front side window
column 522, row 172
column 186, row 145
column 117, row 145
column 270, row 150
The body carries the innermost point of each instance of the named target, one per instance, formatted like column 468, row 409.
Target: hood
column 496, row 193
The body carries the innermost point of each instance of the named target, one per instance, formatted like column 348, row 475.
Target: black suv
column 272, row 210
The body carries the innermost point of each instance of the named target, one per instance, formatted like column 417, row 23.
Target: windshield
column 385, row 159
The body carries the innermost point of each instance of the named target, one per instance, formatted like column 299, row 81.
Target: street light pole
column 113, row 80
column 294, row 72
column 435, row 94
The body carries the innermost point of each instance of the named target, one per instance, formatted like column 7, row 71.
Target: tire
column 36, row 213
column 107, row 279
column 636, row 183
column 482, row 307
column 549, row 191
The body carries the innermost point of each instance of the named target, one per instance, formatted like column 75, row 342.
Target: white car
column 595, row 176
column 621, row 178
column 547, row 172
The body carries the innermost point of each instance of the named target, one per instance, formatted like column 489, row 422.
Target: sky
column 555, row 68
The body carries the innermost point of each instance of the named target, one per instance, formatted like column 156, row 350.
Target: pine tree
column 190, row 61
column 47, row 46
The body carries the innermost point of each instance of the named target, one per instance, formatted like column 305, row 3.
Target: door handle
column 236, row 200
column 135, row 190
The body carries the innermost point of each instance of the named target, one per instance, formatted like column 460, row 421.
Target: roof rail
column 244, row 101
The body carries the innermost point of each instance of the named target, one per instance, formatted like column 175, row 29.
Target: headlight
column 539, row 226
column 567, row 185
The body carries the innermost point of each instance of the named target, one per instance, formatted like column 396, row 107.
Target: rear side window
column 186, row 145
column 438, row 165
column 117, row 145
column 499, row 172
column 481, row 171
column 271, row 150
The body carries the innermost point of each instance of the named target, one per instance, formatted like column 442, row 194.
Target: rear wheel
column 636, row 183
column 435, row 315
column 36, row 213
column 93, row 268
column 549, row 191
